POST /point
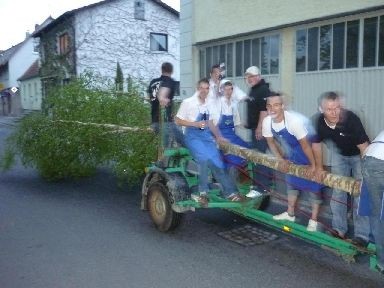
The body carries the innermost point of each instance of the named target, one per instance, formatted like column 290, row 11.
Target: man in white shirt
column 373, row 177
column 195, row 114
column 288, row 138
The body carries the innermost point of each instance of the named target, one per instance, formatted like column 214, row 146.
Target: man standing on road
column 256, row 112
column 373, row 175
column 343, row 131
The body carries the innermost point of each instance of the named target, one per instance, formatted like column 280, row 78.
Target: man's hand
column 258, row 134
column 164, row 101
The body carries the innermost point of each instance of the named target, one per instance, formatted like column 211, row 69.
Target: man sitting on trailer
column 198, row 117
column 288, row 138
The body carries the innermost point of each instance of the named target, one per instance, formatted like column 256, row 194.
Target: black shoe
column 358, row 241
column 335, row 233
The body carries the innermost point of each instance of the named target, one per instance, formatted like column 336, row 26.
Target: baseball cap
column 253, row 70
column 222, row 82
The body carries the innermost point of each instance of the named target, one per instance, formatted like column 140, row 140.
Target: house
column 138, row 34
column 303, row 48
column 14, row 62
column 30, row 88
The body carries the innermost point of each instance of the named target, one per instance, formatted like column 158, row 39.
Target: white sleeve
column 214, row 112
column 266, row 127
column 182, row 113
column 236, row 116
column 239, row 94
column 298, row 129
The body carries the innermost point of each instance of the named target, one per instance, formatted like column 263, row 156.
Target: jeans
column 373, row 174
column 171, row 134
column 262, row 176
column 228, row 185
column 347, row 166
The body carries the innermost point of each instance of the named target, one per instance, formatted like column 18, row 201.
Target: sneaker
column 253, row 194
column 312, row 225
column 335, row 233
column 284, row 216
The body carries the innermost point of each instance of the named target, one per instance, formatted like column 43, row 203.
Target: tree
column 119, row 79
column 75, row 136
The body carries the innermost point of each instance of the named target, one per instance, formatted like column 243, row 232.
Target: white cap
column 253, row 70
column 223, row 81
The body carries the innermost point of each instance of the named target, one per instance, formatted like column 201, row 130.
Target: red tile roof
column 32, row 72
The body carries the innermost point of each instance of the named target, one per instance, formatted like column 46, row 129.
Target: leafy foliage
column 60, row 148
column 119, row 79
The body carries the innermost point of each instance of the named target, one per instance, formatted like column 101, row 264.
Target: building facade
column 303, row 48
column 139, row 34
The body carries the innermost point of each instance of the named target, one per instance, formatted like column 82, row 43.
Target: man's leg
column 362, row 226
column 262, row 175
column 229, row 186
column 339, row 199
column 373, row 173
column 203, row 176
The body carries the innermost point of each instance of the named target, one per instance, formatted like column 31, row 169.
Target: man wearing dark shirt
column 344, row 130
column 256, row 112
column 163, row 87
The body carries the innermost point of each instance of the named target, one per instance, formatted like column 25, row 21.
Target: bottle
column 204, row 119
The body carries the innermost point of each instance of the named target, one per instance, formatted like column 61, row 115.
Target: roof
column 32, row 72
column 7, row 54
column 70, row 13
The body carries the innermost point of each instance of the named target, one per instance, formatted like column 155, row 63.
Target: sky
column 19, row 16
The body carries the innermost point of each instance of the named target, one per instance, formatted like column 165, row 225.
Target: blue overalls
column 296, row 155
column 227, row 129
column 202, row 146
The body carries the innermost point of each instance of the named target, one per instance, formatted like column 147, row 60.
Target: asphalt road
column 91, row 233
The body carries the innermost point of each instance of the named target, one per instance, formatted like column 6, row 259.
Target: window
column 64, row 44
column 36, row 43
column 158, row 42
column 336, row 46
column 139, row 10
column 238, row 56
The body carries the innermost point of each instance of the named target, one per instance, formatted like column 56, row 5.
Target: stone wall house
column 139, row 34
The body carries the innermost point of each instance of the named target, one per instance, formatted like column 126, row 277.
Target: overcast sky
column 19, row 16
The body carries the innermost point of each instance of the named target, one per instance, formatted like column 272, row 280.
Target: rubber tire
column 160, row 209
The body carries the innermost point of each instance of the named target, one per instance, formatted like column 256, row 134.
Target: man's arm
column 274, row 148
column 362, row 148
column 307, row 149
column 163, row 96
column 258, row 131
column 186, row 123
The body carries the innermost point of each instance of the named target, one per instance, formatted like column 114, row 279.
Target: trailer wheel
column 160, row 209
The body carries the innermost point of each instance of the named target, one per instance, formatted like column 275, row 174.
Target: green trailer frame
column 166, row 194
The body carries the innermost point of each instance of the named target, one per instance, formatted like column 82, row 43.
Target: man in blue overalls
column 228, row 120
column 289, row 138
column 198, row 117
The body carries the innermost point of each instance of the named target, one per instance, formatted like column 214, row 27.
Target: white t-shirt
column 191, row 107
column 293, row 121
column 376, row 150
column 230, row 109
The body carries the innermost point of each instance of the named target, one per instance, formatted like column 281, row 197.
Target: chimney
column 27, row 34
column 36, row 27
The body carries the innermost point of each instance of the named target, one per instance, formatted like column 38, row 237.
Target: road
column 91, row 233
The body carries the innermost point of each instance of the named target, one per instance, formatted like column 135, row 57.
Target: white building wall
column 187, row 76
column 109, row 33
column 21, row 61
column 31, row 94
